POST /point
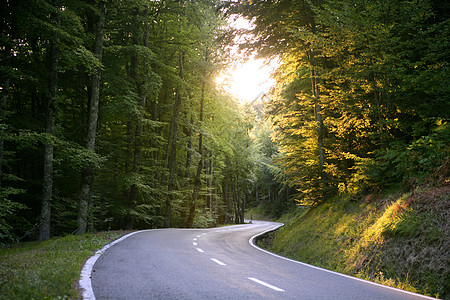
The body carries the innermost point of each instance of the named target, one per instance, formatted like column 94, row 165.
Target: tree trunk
column 225, row 199
column 237, row 202
column 188, row 132
column 244, row 202
column 88, row 173
column 211, row 170
column 3, row 100
column 198, row 181
column 137, row 151
column 377, row 93
column 172, row 155
column 317, row 109
column 44, row 229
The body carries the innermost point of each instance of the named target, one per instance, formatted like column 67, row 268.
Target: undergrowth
column 50, row 269
column 400, row 240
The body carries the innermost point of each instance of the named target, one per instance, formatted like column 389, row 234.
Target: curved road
column 218, row 263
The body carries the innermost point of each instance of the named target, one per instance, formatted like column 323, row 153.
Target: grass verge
column 50, row 269
column 398, row 240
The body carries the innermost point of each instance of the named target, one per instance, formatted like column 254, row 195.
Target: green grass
column 50, row 269
column 399, row 240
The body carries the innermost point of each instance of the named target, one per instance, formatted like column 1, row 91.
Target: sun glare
column 247, row 81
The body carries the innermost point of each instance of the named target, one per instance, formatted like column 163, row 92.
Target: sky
column 249, row 79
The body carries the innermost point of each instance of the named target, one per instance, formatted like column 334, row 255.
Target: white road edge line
column 218, row 262
column 194, row 243
column 266, row 284
column 252, row 243
column 85, row 276
column 199, row 250
column 85, row 282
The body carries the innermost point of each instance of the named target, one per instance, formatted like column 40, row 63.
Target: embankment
column 401, row 240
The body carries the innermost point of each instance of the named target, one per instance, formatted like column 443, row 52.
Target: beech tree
column 350, row 64
column 88, row 173
column 121, row 108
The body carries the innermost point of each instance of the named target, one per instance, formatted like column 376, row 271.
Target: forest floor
column 50, row 269
column 399, row 239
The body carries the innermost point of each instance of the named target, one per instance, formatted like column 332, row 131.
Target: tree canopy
column 110, row 116
column 138, row 128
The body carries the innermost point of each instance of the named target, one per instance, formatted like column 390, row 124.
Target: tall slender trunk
column 5, row 60
column 244, row 202
column 225, row 198
column 312, row 57
column 47, row 189
column 197, row 180
column 135, row 144
column 172, row 155
column 88, row 173
column 188, row 132
column 211, row 170
column 4, row 97
column 317, row 109
column 377, row 94
column 237, row 202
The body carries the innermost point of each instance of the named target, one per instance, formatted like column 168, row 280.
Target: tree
column 87, row 175
column 117, row 154
column 197, row 180
column 172, row 145
column 44, row 232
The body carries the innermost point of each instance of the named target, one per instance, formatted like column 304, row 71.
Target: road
column 218, row 263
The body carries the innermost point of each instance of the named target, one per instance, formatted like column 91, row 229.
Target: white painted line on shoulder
column 85, row 279
column 218, row 262
column 252, row 243
column 199, row 250
column 194, row 243
column 266, row 284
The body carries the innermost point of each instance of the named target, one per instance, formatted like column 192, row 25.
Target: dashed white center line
column 194, row 243
column 195, row 239
column 218, row 262
column 266, row 284
column 199, row 250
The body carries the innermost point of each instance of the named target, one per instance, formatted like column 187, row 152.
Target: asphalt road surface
column 218, row 263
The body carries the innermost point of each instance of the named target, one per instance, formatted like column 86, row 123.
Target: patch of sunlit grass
column 384, row 239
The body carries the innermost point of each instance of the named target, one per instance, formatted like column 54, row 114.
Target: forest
column 111, row 118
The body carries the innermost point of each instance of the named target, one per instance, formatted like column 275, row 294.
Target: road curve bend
column 216, row 263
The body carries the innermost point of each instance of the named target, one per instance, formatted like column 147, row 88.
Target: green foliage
column 141, row 80
column 379, row 73
column 8, row 209
column 417, row 160
column 408, row 165
column 204, row 220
